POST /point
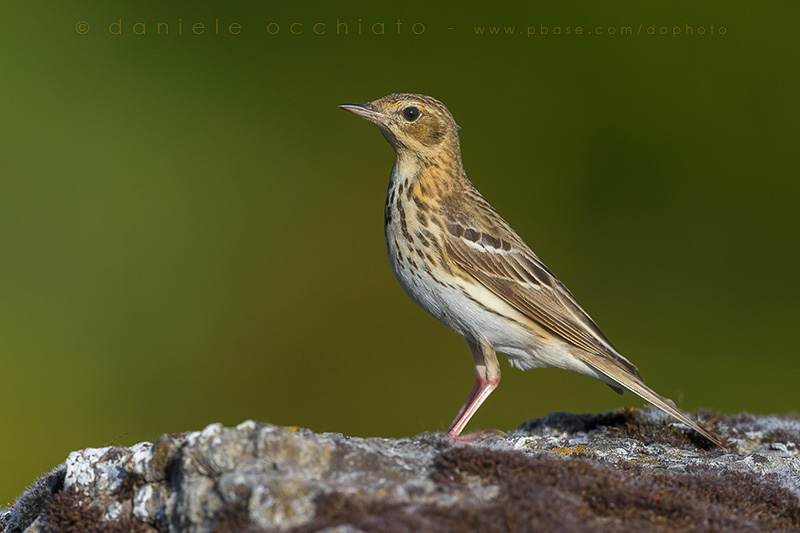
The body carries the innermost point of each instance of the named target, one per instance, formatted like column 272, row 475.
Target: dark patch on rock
column 71, row 511
column 624, row 423
column 572, row 423
column 233, row 518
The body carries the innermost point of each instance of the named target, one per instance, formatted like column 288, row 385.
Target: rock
column 628, row 470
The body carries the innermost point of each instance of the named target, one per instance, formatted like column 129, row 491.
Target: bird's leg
column 487, row 377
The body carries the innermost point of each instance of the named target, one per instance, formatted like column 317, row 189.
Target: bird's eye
column 411, row 113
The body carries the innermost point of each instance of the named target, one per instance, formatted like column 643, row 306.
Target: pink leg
column 487, row 377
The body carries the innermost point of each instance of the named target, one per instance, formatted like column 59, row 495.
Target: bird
column 458, row 259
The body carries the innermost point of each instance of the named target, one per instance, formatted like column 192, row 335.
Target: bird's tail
column 636, row 385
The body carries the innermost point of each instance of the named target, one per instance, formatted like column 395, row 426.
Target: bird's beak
column 367, row 111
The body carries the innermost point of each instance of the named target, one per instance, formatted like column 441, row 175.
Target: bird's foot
column 477, row 437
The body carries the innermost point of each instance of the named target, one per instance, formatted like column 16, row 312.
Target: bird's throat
column 428, row 177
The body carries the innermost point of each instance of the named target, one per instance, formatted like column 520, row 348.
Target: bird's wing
column 498, row 259
column 493, row 254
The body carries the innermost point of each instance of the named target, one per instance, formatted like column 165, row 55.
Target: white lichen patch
column 93, row 467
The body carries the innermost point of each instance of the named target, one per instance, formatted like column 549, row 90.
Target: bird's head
column 411, row 122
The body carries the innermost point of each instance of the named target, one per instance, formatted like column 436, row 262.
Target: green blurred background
column 191, row 230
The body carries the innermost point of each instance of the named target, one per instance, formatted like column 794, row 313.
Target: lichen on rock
column 628, row 470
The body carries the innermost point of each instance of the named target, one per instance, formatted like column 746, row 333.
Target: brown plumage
column 457, row 258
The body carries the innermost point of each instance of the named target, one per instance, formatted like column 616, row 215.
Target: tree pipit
column 457, row 258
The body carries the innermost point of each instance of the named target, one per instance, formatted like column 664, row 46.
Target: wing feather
column 517, row 276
